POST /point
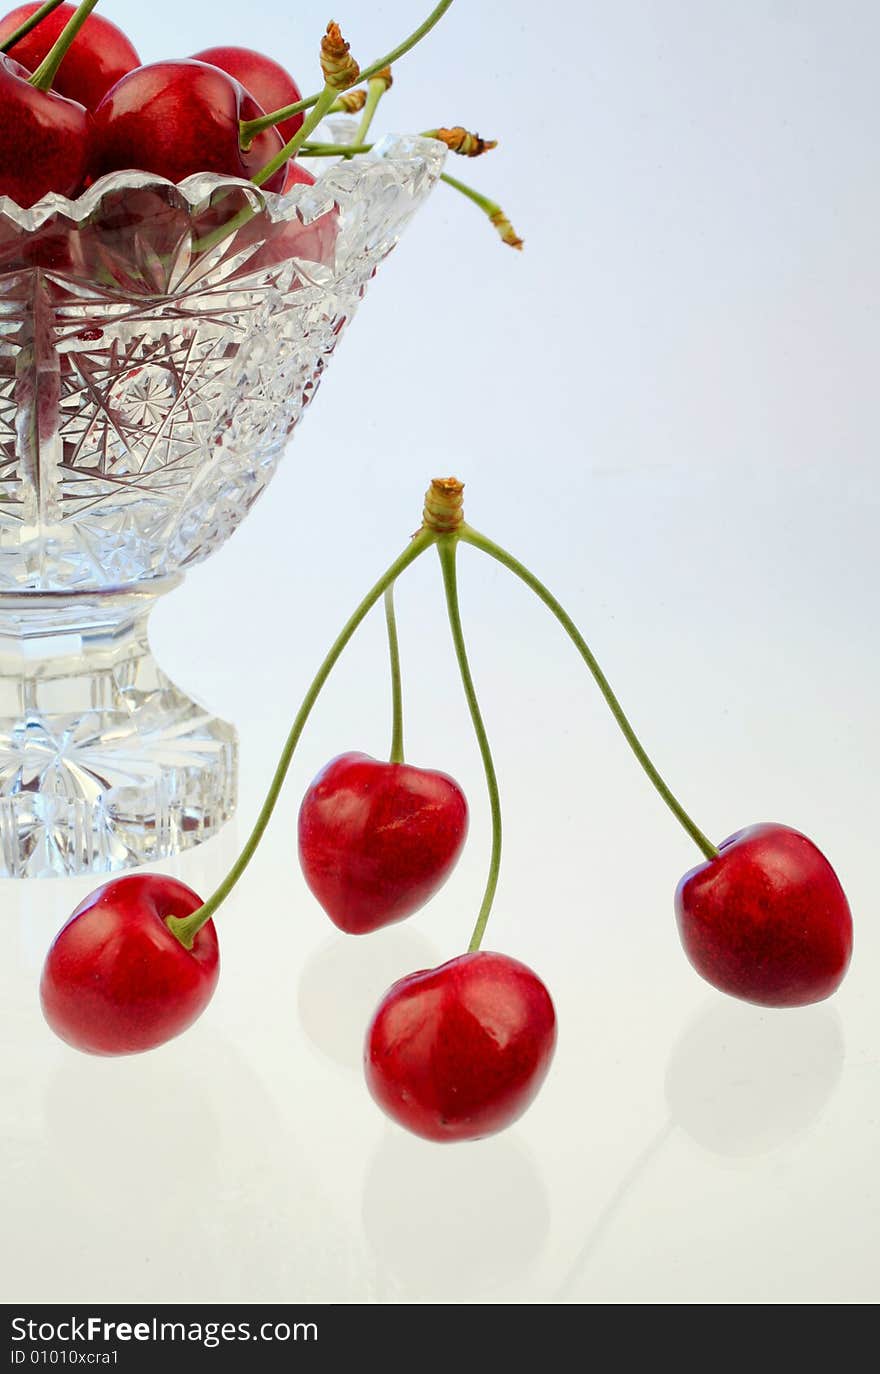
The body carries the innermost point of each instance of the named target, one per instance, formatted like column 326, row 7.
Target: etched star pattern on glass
column 158, row 345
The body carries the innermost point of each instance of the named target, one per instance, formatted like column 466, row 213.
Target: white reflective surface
column 667, row 408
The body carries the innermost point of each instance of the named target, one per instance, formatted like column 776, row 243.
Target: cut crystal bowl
column 158, row 345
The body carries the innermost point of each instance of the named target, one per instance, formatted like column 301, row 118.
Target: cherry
column 46, row 148
column 99, row 55
column 116, row 980
column 289, row 237
column 279, row 241
column 178, row 118
column 376, row 839
column 267, row 81
column 458, row 1052
column 766, row 920
column 299, row 175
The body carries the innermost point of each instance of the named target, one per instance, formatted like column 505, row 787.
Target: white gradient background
column 668, row 407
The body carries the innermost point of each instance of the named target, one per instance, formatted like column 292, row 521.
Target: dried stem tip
column 444, row 505
column 506, row 229
column 466, row 144
column 385, row 77
column 350, row 102
column 337, row 64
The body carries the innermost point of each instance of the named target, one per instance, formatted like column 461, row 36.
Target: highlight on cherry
column 83, row 106
column 459, row 1051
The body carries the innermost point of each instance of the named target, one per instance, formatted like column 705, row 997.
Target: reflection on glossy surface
column 100, row 1153
column 696, row 538
column 742, row 1081
column 343, row 980
column 145, row 1156
column 640, row 1166
column 452, row 1223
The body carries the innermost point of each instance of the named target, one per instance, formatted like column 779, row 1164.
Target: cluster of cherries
column 455, row 1052
column 459, row 1051
column 94, row 108
column 82, row 105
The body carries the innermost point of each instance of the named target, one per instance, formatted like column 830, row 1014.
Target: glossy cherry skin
column 767, row 920
column 96, row 59
column 116, row 980
column 459, row 1052
column 45, row 144
column 268, row 82
column 298, row 175
column 376, row 839
column 178, row 118
column 289, row 237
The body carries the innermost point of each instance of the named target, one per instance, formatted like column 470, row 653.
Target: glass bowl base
column 104, row 763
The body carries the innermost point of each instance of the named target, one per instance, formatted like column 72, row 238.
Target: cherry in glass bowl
column 158, row 346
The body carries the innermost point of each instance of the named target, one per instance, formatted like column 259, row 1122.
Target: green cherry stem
column 313, row 149
column 45, row 74
column 479, row 541
column 490, row 208
column 415, row 37
column 290, row 149
column 334, row 149
column 30, row 23
column 223, row 231
column 397, row 755
column 251, row 127
column 376, row 88
column 447, row 546
column 187, row 927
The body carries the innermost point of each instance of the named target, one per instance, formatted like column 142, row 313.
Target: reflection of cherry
column 116, row 980
column 268, row 82
column 45, row 144
column 458, row 1052
column 96, row 59
column 413, row 1219
column 766, row 919
column 738, row 1083
column 376, row 840
column 742, row 1083
column 179, row 118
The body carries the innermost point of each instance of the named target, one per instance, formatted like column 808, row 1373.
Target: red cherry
column 376, row 840
column 297, row 175
column 45, row 143
column 116, row 980
column 767, row 920
column 178, row 118
column 279, row 241
column 458, row 1052
column 266, row 80
column 96, row 59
